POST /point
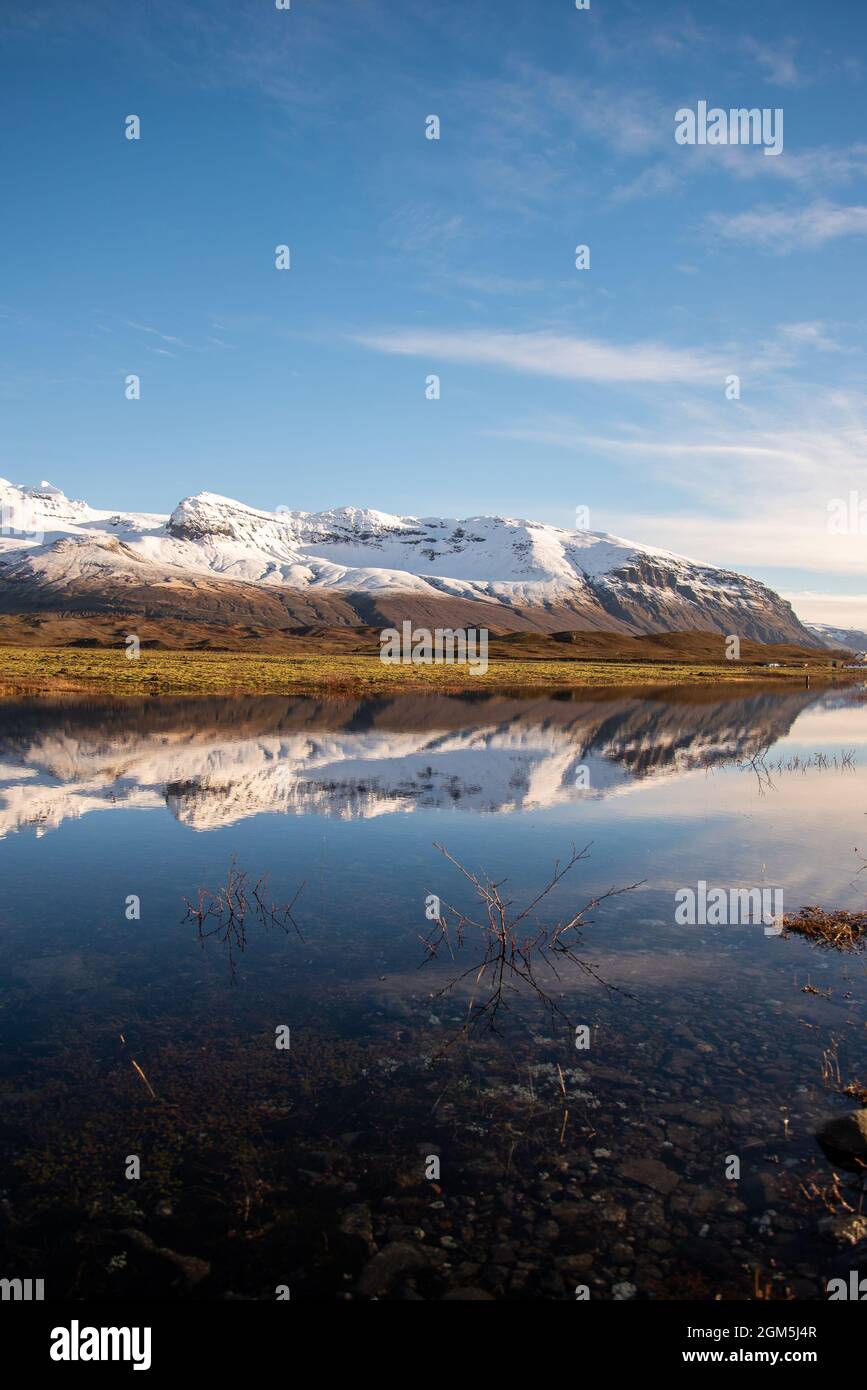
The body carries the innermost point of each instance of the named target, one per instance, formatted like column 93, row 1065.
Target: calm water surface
column 311, row 1167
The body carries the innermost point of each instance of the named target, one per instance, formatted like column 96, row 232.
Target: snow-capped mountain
column 851, row 638
column 216, row 558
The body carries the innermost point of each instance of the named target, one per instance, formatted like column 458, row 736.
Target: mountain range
column 853, row 638
column 217, row 560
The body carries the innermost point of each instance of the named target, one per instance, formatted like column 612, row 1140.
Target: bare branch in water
column 510, row 957
column 223, row 913
column 758, row 763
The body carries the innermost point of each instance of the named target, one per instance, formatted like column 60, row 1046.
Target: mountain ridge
column 215, row 558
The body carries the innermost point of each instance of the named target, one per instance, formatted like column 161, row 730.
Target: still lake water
column 383, row 1153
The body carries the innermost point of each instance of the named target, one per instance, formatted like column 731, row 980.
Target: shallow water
column 310, row 1167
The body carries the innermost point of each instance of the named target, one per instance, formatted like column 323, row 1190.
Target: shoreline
column 28, row 671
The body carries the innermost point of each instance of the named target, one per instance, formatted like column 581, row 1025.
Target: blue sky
column 560, row 388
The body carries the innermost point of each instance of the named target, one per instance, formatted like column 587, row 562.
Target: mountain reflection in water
column 306, row 1167
column 214, row 762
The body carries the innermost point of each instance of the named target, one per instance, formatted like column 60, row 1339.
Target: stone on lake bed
column 844, row 1140
column 357, row 1223
column 649, row 1172
column 846, row 1230
column 706, row 1117
column 380, row 1273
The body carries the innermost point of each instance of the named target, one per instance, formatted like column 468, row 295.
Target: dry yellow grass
column 845, row 931
column 40, row 670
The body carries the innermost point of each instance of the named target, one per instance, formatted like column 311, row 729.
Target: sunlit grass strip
column 41, row 670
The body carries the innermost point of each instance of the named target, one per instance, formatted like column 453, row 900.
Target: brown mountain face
column 627, row 604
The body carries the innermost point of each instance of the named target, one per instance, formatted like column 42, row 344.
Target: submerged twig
column 139, row 1070
column 510, row 957
column 144, row 1078
column 228, row 907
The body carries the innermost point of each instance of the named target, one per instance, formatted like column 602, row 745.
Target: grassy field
column 39, row 670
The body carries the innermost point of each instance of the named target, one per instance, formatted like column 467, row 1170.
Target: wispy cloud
column 785, row 229
column 421, row 229
column 658, row 448
column 779, row 537
column 776, row 59
column 813, row 170
column 492, row 284
column 553, row 355
column 653, row 182
column 165, row 337
column 837, row 610
column 745, row 486
column 810, row 334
